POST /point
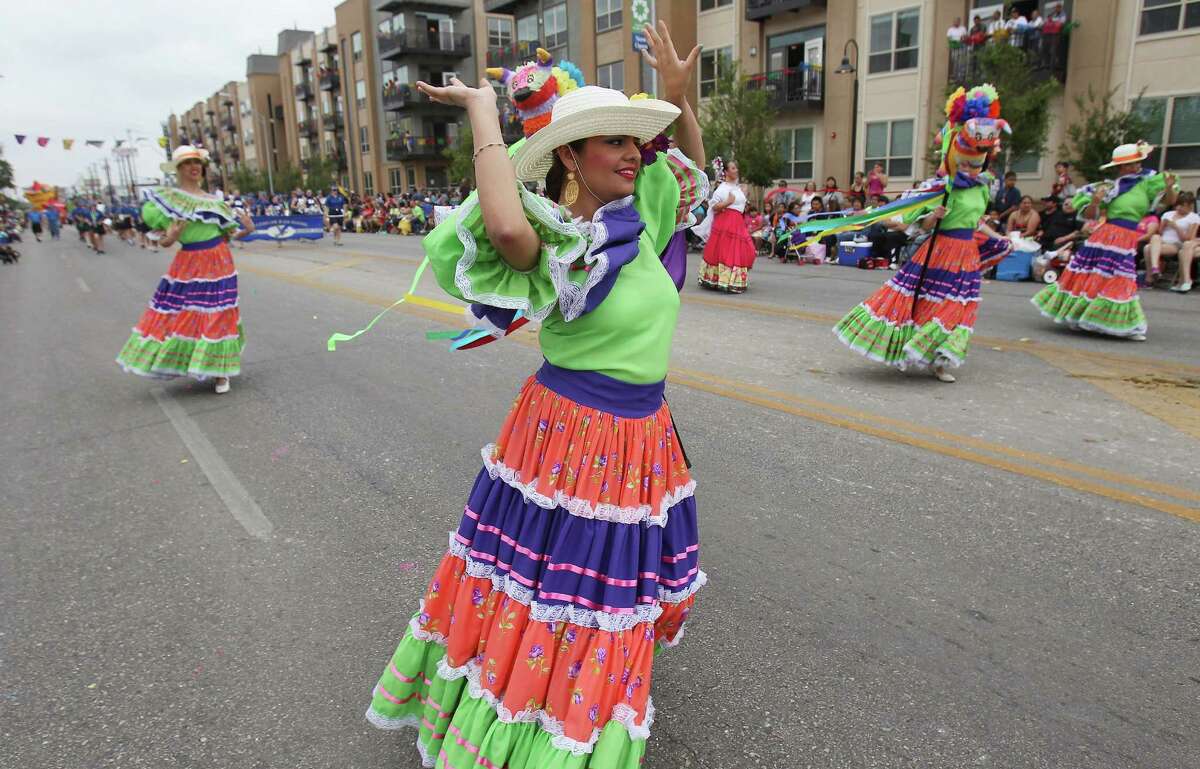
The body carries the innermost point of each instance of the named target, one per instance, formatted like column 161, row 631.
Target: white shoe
column 222, row 386
column 1182, row 288
column 1138, row 337
column 942, row 375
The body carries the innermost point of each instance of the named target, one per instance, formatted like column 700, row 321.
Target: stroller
column 8, row 254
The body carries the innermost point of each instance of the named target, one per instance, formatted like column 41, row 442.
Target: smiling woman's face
column 192, row 170
column 608, row 164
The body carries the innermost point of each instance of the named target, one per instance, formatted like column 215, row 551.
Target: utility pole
column 108, row 181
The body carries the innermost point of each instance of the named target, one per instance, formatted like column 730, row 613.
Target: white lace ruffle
column 679, row 596
column 700, row 195
column 542, row 612
column 621, row 713
column 582, row 507
column 587, row 242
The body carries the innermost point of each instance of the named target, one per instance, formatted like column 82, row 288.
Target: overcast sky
column 81, row 69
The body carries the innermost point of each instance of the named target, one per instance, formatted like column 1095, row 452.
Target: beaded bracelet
column 484, row 147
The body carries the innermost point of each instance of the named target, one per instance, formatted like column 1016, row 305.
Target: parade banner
column 310, row 226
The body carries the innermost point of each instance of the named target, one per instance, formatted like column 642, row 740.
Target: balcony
column 758, row 10
column 500, row 6
column 306, row 128
column 397, row 98
column 416, row 147
column 328, row 80
column 801, row 86
column 1045, row 53
column 304, row 91
column 210, row 132
column 229, row 125
column 332, row 122
column 512, row 56
column 395, row 6
column 397, row 44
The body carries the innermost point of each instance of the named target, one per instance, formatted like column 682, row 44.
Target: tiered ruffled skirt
column 576, row 558
column 889, row 328
column 1098, row 289
column 192, row 326
column 728, row 254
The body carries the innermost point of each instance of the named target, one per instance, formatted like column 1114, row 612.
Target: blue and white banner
column 311, row 226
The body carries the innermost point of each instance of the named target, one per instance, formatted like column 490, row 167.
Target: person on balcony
column 978, row 34
column 957, row 33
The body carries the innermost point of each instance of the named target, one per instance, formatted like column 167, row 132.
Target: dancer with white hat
column 1098, row 289
column 578, row 555
column 193, row 325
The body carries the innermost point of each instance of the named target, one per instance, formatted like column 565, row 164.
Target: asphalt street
column 999, row 573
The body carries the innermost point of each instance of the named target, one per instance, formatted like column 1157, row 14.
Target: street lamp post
column 848, row 68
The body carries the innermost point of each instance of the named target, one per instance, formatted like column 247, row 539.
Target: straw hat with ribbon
column 591, row 111
column 1130, row 153
column 184, row 152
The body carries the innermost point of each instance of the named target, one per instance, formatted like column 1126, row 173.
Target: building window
column 796, row 151
column 1177, row 118
column 364, row 140
column 527, row 28
column 368, row 183
column 393, row 25
column 611, row 75
column 1169, row 15
column 356, row 45
column 360, row 93
column 500, row 32
column 394, row 181
column 554, row 22
column 412, row 178
column 608, row 15
column 712, row 64
column 890, row 142
column 708, row 5
column 894, row 41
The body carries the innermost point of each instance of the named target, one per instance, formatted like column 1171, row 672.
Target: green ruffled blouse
column 628, row 335
column 206, row 217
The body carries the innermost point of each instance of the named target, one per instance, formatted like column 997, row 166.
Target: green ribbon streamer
column 331, row 345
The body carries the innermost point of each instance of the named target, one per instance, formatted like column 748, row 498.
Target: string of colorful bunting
column 43, row 141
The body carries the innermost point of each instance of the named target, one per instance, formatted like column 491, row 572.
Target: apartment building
column 265, row 112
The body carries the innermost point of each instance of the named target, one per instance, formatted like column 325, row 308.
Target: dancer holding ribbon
column 577, row 556
column 193, row 324
column 923, row 317
column 1098, row 289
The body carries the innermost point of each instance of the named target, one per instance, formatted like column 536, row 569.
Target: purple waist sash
column 959, row 233
column 202, row 244
column 598, row 391
column 1124, row 223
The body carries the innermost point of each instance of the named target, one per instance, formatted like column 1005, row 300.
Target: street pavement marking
column 84, row 287
column 862, row 422
column 237, row 500
column 340, row 265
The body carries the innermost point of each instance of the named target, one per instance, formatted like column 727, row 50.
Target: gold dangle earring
column 570, row 192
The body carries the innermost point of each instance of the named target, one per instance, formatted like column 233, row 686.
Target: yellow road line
column 857, row 421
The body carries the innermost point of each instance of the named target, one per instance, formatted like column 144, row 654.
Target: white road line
column 84, row 287
column 231, row 491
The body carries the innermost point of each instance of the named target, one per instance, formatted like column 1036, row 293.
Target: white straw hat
column 1130, row 153
column 184, row 152
column 591, row 111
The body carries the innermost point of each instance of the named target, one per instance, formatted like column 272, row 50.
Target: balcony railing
column 1045, row 53
column 306, row 128
column 229, row 125
column 304, row 91
column 756, row 10
column 393, row 45
column 512, row 56
column 397, row 97
column 332, row 122
column 792, row 87
column 328, row 79
column 414, row 147
column 395, row 6
column 500, row 6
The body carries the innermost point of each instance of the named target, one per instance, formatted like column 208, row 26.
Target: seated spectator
column 806, row 197
column 859, row 185
column 1025, row 221
column 1177, row 229
column 1057, row 224
column 879, row 201
column 834, row 200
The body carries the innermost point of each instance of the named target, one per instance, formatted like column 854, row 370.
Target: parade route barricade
column 307, row 226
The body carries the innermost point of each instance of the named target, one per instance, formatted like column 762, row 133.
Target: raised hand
column 675, row 73
column 458, row 93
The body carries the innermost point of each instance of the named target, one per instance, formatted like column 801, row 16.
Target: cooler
column 850, row 251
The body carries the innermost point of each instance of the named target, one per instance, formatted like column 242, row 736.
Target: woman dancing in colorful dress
column 934, row 330
column 729, row 252
column 577, row 556
column 193, row 325
column 1098, row 290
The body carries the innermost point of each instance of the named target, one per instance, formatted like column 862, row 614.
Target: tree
column 1090, row 140
column 288, row 178
column 246, row 179
column 1024, row 100
column 462, row 166
column 6, row 174
column 735, row 125
column 320, row 172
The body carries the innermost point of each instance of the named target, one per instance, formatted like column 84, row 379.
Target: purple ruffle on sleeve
column 620, row 229
column 494, row 319
column 674, row 258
